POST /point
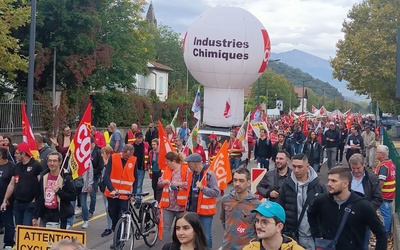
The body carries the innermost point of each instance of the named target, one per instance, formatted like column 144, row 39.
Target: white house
column 156, row 80
column 303, row 100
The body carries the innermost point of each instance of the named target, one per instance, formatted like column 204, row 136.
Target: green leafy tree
column 12, row 17
column 366, row 56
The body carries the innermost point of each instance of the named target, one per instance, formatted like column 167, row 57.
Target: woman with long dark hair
column 313, row 150
column 11, row 149
column 188, row 234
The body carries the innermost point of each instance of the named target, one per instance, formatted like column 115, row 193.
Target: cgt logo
column 220, row 170
column 267, row 51
column 82, row 153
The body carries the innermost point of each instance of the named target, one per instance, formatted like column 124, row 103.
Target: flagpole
column 65, row 158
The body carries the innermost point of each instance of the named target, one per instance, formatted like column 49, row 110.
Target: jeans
column 292, row 148
column 235, row 163
column 315, row 166
column 386, row 212
column 366, row 239
column 370, row 156
column 115, row 208
column 264, row 163
column 52, row 215
column 331, row 154
column 168, row 219
column 85, row 211
column 139, row 185
column 157, row 191
column 9, row 228
column 339, row 153
column 95, row 184
column 109, row 222
column 23, row 212
column 206, row 223
column 298, row 148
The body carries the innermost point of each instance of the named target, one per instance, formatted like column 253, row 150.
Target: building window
column 161, row 85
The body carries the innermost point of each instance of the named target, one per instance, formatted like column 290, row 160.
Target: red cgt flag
column 80, row 146
column 27, row 134
column 164, row 147
column 221, row 167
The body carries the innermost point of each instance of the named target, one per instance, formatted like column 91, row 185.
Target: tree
column 11, row 18
column 366, row 56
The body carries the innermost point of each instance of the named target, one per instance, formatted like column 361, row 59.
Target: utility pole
column 31, row 66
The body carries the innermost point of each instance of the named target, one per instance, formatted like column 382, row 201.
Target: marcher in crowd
column 98, row 166
column 386, row 172
column 142, row 159
column 43, row 148
column 270, row 184
column 24, row 185
column 296, row 194
column 7, row 142
column 331, row 143
column 56, row 193
column 203, row 193
column 354, row 143
column 130, row 136
column 188, row 233
column 235, row 149
column 342, row 141
column 151, row 133
column 263, row 150
column 174, row 182
column 106, row 153
column 236, row 218
column 366, row 183
column 370, row 145
column 6, row 216
column 314, row 152
column 326, row 212
column 269, row 222
column 99, row 138
column 116, row 142
column 119, row 179
column 154, row 170
column 280, row 145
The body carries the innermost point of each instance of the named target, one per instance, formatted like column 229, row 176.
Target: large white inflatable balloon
column 226, row 48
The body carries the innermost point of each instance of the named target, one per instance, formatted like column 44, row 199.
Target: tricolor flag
column 227, row 111
column 175, row 118
column 196, row 107
column 192, row 141
column 27, row 134
column 221, row 167
column 164, row 147
column 80, row 160
column 256, row 115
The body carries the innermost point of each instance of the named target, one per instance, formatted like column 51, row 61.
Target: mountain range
column 318, row 68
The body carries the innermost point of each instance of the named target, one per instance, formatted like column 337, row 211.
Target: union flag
column 27, row 134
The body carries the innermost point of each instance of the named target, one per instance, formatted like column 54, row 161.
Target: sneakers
column 69, row 227
column 78, row 210
column 85, row 224
column 106, row 232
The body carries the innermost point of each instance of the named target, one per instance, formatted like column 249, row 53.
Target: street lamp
column 258, row 84
column 302, row 98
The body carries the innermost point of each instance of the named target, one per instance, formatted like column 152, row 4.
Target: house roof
column 299, row 91
column 156, row 65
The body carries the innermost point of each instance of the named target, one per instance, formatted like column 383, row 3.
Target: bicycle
column 128, row 228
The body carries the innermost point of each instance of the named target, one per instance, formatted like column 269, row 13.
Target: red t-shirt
column 50, row 198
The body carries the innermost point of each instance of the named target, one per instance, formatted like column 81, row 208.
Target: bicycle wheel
column 149, row 228
column 124, row 234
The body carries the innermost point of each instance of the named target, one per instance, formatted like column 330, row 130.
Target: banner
column 27, row 134
column 256, row 176
column 221, row 167
column 80, row 160
column 256, row 115
column 257, row 126
column 196, row 107
column 164, row 147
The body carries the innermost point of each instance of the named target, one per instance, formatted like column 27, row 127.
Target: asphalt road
column 98, row 222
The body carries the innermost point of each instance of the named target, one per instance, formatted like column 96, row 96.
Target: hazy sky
column 313, row 26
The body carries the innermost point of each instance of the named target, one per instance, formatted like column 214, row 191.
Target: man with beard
column 295, row 195
column 272, row 181
column 326, row 212
column 280, row 145
column 236, row 219
column 354, row 143
column 270, row 218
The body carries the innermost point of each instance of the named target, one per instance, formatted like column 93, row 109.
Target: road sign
column 44, row 238
column 256, row 176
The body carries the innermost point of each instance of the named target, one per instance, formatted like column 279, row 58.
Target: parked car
column 222, row 135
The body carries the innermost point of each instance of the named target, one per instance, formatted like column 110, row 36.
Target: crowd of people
column 300, row 212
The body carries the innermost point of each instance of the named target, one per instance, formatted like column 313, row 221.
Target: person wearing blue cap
column 270, row 218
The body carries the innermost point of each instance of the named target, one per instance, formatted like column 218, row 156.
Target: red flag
column 227, row 111
column 313, row 109
column 221, row 167
column 27, row 134
column 305, row 128
column 80, row 146
column 256, row 115
column 164, row 147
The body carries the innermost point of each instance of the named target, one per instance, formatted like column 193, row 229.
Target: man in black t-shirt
column 24, row 184
column 6, row 216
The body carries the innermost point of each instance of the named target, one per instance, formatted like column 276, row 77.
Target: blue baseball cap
column 271, row 209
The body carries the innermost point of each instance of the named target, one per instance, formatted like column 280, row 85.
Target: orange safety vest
column 389, row 186
column 205, row 205
column 122, row 178
column 181, row 199
column 131, row 137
